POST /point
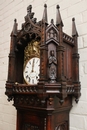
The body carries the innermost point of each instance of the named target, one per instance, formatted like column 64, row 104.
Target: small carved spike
column 74, row 31
column 45, row 14
column 58, row 17
column 15, row 27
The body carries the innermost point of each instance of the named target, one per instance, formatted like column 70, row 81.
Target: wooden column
column 75, row 63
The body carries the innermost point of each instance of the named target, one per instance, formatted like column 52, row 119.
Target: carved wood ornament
column 43, row 72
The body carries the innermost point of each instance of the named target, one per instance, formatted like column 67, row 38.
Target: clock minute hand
column 33, row 65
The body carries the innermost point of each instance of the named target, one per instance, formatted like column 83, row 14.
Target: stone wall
column 11, row 9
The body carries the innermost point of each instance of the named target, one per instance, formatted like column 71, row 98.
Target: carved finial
column 57, row 6
column 29, row 12
column 29, row 8
column 76, row 100
column 15, row 20
column 52, row 21
column 74, row 31
column 61, row 101
column 45, row 5
column 45, row 14
column 58, row 17
column 15, row 27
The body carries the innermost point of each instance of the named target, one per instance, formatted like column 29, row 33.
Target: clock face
column 31, row 71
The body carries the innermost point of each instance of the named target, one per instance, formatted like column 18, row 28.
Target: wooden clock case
column 44, row 106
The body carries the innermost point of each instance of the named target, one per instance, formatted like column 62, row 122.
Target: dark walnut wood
column 46, row 105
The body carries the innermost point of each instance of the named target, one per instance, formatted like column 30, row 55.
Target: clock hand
column 33, row 65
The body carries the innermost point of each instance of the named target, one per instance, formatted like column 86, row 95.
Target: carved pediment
column 52, row 33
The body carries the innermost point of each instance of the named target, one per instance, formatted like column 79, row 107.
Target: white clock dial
column 31, row 71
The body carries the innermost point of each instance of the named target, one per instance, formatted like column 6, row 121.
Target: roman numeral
column 37, row 77
column 26, row 76
column 29, row 79
column 29, row 62
column 37, row 61
column 33, row 81
column 26, row 71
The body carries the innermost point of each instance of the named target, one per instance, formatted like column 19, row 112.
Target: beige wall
column 10, row 9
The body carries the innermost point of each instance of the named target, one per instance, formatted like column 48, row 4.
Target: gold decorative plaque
column 31, row 50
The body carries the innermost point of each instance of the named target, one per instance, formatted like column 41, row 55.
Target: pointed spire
column 45, row 14
column 58, row 17
column 15, row 27
column 52, row 21
column 74, row 31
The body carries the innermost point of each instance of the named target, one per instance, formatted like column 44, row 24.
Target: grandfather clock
column 43, row 72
